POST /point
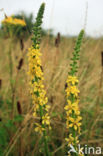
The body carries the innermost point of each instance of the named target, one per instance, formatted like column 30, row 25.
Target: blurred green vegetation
column 23, row 32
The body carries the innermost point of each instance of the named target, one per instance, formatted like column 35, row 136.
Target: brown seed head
column 57, row 40
column 21, row 44
column 102, row 58
column 0, row 83
column 19, row 107
column 20, row 64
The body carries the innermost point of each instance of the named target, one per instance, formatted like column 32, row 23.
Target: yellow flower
column 46, row 119
column 39, row 128
column 70, row 106
column 75, row 122
column 72, row 79
column 47, row 107
column 70, row 140
column 19, row 22
column 74, row 90
column 77, row 112
column 14, row 21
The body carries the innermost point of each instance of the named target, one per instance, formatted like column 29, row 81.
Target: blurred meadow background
column 62, row 22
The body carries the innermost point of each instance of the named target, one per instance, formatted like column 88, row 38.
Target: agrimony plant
column 73, row 118
column 41, row 108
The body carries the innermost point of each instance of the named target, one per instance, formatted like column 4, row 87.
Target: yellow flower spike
column 72, row 110
column 37, row 86
column 36, row 77
column 73, row 119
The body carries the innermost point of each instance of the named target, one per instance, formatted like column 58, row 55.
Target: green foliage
column 1, row 101
column 28, row 20
column 24, row 32
column 6, row 129
column 19, row 31
column 9, row 103
column 13, row 30
column 18, row 118
column 3, row 138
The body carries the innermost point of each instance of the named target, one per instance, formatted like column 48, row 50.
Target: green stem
column 44, row 134
column 11, row 76
column 46, row 143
